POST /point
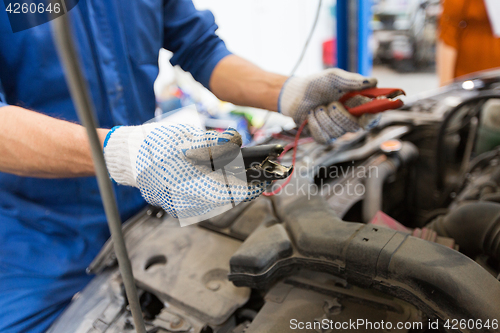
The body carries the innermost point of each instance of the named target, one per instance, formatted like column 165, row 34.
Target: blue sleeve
column 3, row 98
column 190, row 35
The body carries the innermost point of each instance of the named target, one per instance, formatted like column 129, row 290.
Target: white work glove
column 153, row 158
column 315, row 98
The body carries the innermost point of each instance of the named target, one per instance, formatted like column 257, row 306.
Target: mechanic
column 52, row 222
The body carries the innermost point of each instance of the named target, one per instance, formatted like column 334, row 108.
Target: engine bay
column 397, row 225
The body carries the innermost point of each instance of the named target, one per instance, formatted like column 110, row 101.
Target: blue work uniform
column 51, row 229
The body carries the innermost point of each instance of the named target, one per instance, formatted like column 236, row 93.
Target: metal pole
column 85, row 109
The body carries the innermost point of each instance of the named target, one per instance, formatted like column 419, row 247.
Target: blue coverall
column 50, row 230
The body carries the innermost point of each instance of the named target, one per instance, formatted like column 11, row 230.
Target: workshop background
column 272, row 35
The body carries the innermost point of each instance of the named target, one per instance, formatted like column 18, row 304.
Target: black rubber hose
column 441, row 282
column 474, row 226
column 372, row 202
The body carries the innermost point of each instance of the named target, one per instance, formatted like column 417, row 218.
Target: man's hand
column 315, row 98
column 240, row 82
column 36, row 145
column 155, row 158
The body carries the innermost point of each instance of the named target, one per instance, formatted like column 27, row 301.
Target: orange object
column 464, row 25
column 390, row 146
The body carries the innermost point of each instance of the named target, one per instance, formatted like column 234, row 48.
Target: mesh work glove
column 153, row 158
column 311, row 98
column 333, row 121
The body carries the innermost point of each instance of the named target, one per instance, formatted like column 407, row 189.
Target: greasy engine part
column 473, row 218
column 475, row 226
column 375, row 184
column 360, row 152
column 315, row 302
column 101, row 307
column 348, row 165
column 184, row 267
column 482, row 181
column 187, row 267
column 345, row 202
column 241, row 222
column 133, row 230
column 441, row 282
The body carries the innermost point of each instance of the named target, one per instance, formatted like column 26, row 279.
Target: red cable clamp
column 383, row 99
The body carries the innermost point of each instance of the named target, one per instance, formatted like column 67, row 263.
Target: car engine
column 393, row 230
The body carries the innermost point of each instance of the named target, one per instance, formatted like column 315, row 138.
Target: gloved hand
column 153, row 158
column 312, row 98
